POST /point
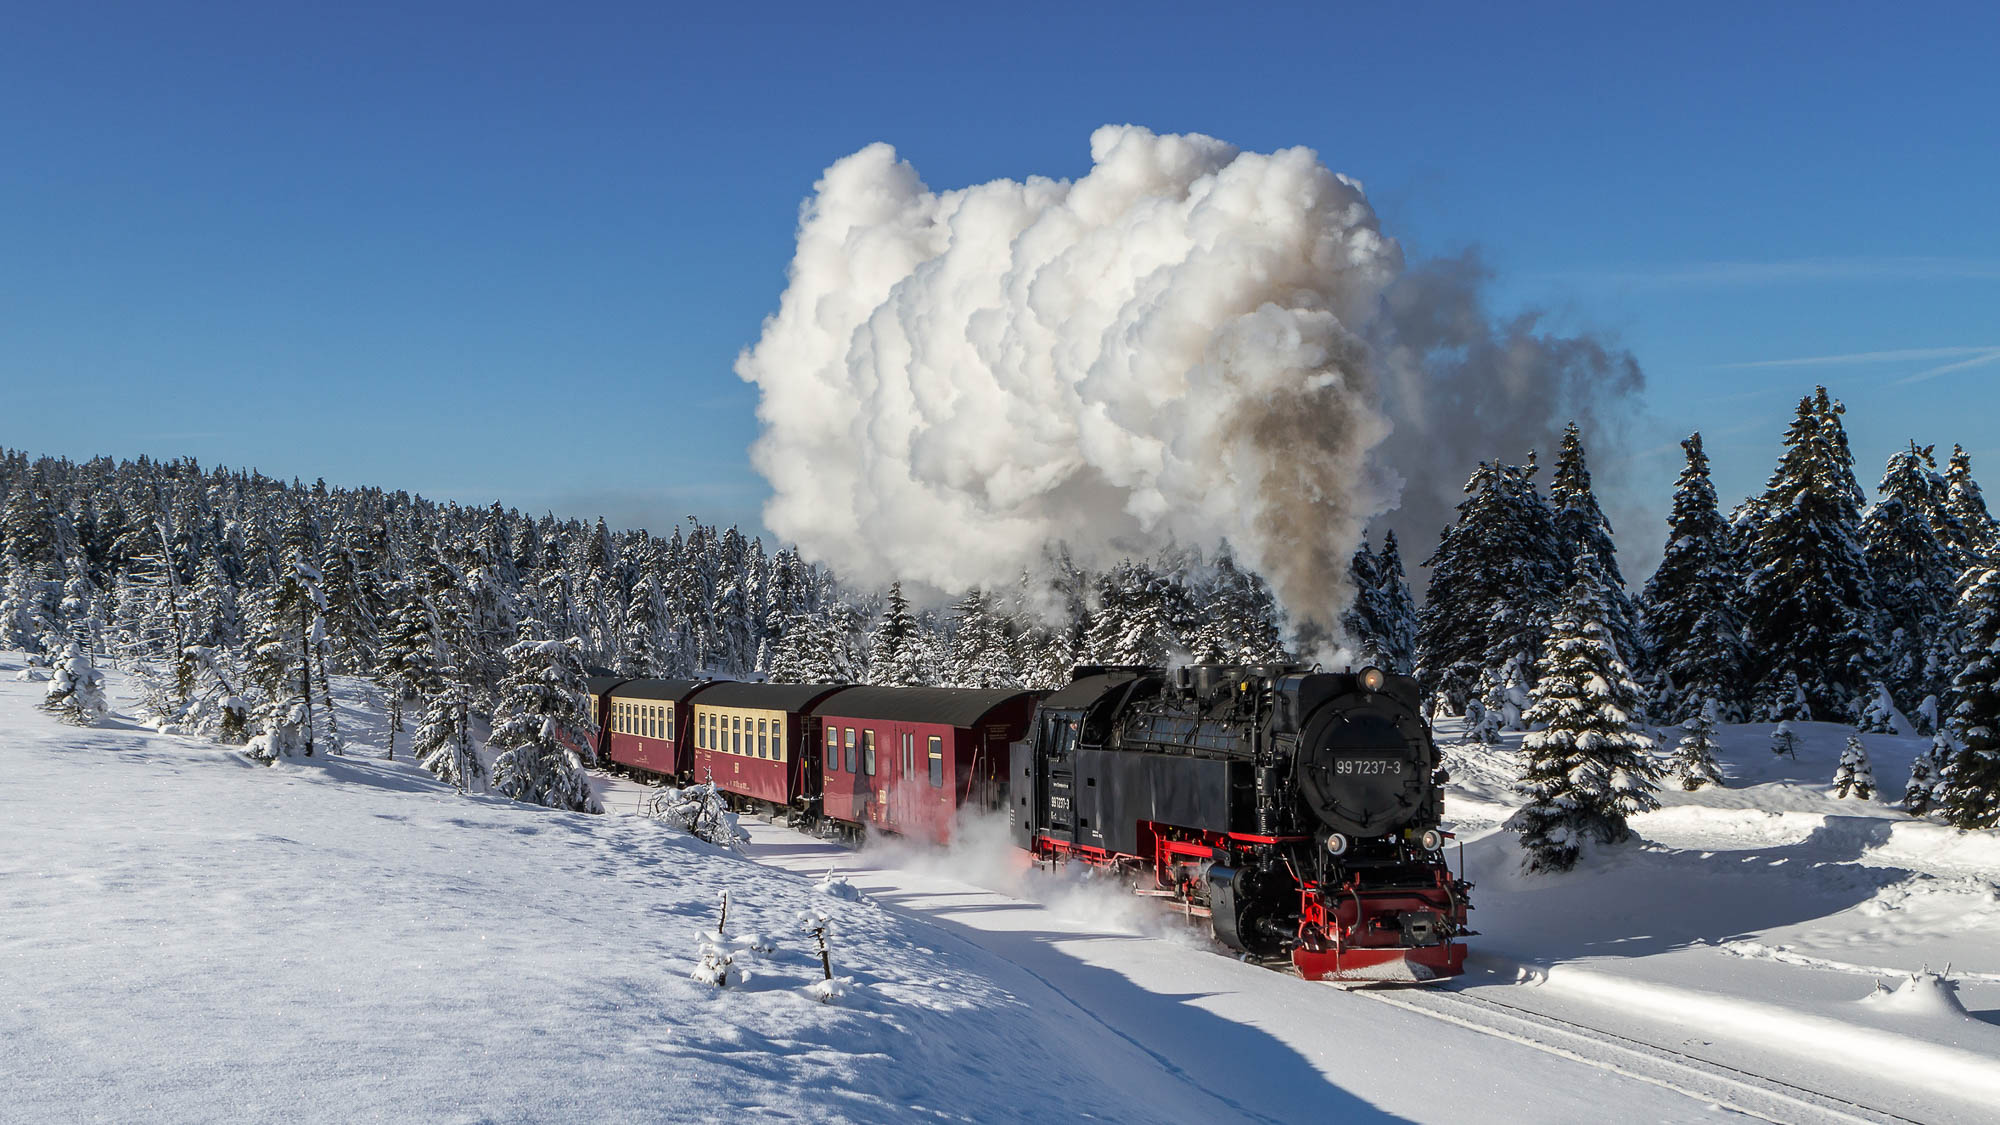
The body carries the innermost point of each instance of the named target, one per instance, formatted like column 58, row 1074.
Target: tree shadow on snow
column 1639, row 899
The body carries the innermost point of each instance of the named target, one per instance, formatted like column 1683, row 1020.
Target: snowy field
column 191, row 937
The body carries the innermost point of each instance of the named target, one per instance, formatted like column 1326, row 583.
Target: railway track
column 1753, row 1095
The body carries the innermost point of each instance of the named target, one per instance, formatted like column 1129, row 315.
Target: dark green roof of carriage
column 601, row 683
column 770, row 697
column 952, row 707
column 657, row 689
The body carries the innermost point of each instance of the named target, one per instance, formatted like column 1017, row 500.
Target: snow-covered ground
column 187, row 936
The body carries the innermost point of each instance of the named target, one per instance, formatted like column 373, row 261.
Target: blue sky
column 504, row 251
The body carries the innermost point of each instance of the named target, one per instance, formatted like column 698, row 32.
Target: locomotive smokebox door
column 1363, row 770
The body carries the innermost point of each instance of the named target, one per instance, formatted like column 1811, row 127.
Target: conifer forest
column 238, row 596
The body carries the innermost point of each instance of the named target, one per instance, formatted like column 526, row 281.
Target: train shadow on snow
column 1247, row 1071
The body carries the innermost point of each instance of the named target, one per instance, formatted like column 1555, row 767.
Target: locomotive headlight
column 1336, row 844
column 1372, row 679
column 1431, row 840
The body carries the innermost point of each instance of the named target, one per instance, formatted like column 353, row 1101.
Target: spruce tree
column 539, row 725
column 1694, row 763
column 1920, row 796
column 1690, row 601
column 1968, row 506
column 1854, row 777
column 1809, row 610
column 1969, row 795
column 1495, row 579
column 889, row 656
column 1587, row 770
column 1915, row 575
column 1582, row 529
column 443, row 742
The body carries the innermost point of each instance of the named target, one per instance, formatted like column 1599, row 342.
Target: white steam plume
column 1182, row 347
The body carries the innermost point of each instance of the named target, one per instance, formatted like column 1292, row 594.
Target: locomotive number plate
column 1368, row 767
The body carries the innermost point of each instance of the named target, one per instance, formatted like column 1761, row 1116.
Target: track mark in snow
column 1753, row 1095
column 1757, row 951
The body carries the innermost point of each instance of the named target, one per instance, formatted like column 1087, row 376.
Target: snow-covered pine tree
column 1690, row 601
column 1398, row 608
column 888, row 656
column 1915, row 574
column 1495, row 579
column 1694, row 763
column 76, row 691
column 1808, row 603
column 1926, row 770
column 539, row 724
column 1966, row 503
column 1969, row 795
column 1853, row 777
column 1581, row 528
column 1362, row 619
column 640, row 643
column 443, row 742
column 1588, row 769
column 1237, row 622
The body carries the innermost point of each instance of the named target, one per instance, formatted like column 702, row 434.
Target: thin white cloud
column 1990, row 357
column 1795, row 271
column 1900, row 355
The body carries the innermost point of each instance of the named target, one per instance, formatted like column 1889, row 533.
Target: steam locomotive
column 1299, row 811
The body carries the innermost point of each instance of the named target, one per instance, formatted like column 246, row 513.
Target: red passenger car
column 905, row 760
column 598, row 686
column 647, row 723
column 752, row 740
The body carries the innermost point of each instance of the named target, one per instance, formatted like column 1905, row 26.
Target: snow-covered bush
column 1853, row 777
column 285, row 734
column 1880, row 715
column 1480, row 724
column 76, row 692
column 717, row 959
column 1784, row 743
column 837, row 886
column 700, row 811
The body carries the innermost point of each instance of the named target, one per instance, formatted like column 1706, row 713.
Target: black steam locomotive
column 1299, row 810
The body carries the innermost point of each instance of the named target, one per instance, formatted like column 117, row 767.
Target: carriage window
column 868, row 752
column 833, row 749
column 736, row 733
column 937, row 763
column 851, row 761
column 763, row 743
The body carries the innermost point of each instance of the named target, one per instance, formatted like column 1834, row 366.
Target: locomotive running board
column 1395, row 965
